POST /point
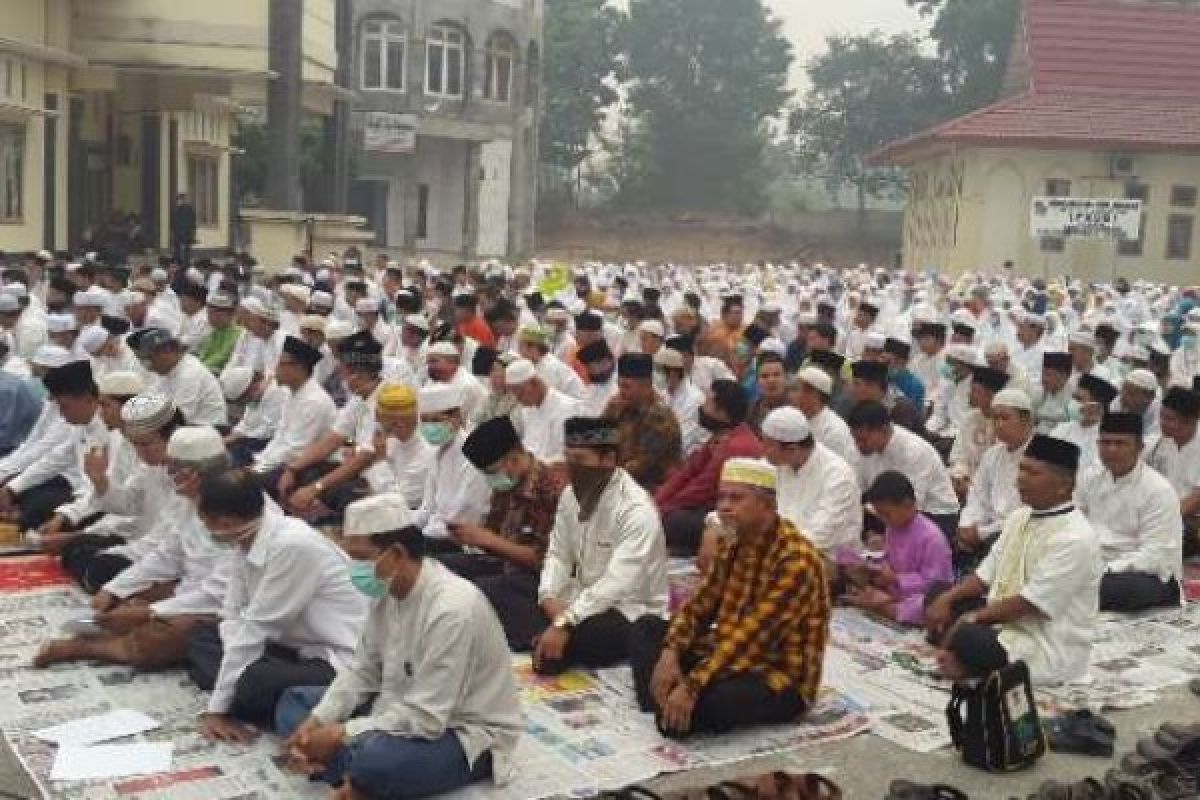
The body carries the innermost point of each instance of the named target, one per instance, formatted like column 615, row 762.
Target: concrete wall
column 494, row 190
column 441, row 164
column 970, row 210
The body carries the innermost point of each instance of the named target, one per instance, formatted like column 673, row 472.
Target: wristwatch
column 970, row 618
column 319, row 487
column 564, row 620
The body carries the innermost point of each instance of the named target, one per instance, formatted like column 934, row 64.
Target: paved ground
column 864, row 766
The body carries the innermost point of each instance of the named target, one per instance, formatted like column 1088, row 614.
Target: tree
column 973, row 40
column 579, row 72
column 865, row 91
column 706, row 76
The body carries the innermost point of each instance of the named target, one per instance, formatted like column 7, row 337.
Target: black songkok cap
column 1121, row 422
column 594, row 352
column 827, row 360
column 897, row 347
column 874, row 371
column 635, row 365
column 755, row 334
column 361, row 350
column 869, row 307
column 74, row 377
column 732, row 399
column 1057, row 361
column 587, row 321
column 1101, row 391
column 990, row 378
column 483, row 361
column 116, row 326
column 1053, row 450
column 1182, row 401
column 302, row 351
column 590, row 432
column 490, row 442
column 681, row 344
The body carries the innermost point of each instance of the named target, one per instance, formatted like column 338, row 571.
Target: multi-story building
column 116, row 106
column 447, row 115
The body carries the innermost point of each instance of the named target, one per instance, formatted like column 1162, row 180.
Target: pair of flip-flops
column 1081, row 733
column 768, row 786
column 907, row 790
column 1086, row 789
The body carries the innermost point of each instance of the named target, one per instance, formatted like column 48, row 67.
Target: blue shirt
column 910, row 386
column 20, row 406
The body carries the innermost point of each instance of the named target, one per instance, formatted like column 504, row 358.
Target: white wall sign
column 1081, row 216
column 384, row 132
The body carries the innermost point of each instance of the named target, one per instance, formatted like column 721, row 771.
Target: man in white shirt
column 181, row 376
column 541, row 411
column 1034, row 597
column 534, row 344
column 683, row 397
column 993, row 494
column 1089, row 401
column 929, row 361
column 601, row 367
column 1052, row 399
column 1139, row 395
column 817, row 490
column 443, row 364
column 261, row 401
column 952, row 402
column 976, row 432
column 1176, row 455
column 811, row 391
column 403, row 458
column 606, row 564
column 291, row 615
column 885, row 447
column 308, row 412
column 1135, row 513
column 192, row 301
column 455, row 492
column 428, row 703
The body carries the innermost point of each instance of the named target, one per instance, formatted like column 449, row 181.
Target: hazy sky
column 808, row 22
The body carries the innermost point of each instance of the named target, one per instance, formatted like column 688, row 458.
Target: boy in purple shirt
column 916, row 555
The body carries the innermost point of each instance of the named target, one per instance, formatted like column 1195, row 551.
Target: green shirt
column 217, row 348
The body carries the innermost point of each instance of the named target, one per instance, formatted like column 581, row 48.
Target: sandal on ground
column 907, row 790
column 1081, row 733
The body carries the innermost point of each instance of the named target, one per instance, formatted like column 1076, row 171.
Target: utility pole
column 338, row 139
column 285, row 24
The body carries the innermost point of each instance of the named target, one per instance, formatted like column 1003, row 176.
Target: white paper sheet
column 100, row 728
column 111, row 761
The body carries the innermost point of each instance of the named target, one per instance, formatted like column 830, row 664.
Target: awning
column 40, row 52
column 21, row 108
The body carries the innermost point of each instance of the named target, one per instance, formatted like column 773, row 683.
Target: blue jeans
column 383, row 766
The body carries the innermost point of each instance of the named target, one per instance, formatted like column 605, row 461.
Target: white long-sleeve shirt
column 30, row 331
column 433, row 662
column 950, row 406
column 196, row 392
column 914, row 457
column 1179, row 465
column 616, row 559
column 404, row 468
column 181, row 550
column 454, row 491
column 543, row 426
column 142, row 502
column 993, row 494
column 1085, row 438
column 123, row 464
column 291, row 588
column 976, row 433
column 307, row 416
column 1137, row 521
column 261, row 419
column 596, row 396
column 832, row 431
column 686, row 402
column 1051, row 408
column 49, row 431
column 195, row 329
column 558, row 375
column 65, row 460
column 822, row 500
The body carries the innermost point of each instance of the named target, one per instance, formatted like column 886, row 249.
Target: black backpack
column 994, row 724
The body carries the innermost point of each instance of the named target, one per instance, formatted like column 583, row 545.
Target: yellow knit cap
column 396, row 399
column 754, row 472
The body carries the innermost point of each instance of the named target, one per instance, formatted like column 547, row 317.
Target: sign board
column 1107, row 217
column 384, row 132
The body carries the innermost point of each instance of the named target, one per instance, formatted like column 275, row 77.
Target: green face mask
column 1074, row 410
column 501, row 482
column 437, row 433
column 363, row 578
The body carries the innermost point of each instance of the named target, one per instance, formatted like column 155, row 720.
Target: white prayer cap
column 159, row 275
column 874, row 341
column 964, row 317
column 17, row 290
column 366, row 306
column 295, row 291
column 1137, row 352
column 255, row 306
column 89, row 298
column 337, row 329
column 120, row 383
column 806, row 318
column 669, row 358
column 321, row 299
column 92, row 338
column 60, row 323
column 445, row 349
column 1142, row 379
column 194, row 276
column 1013, row 398
column 1083, row 339
column 147, row 413
column 559, row 315
column 381, row 513
column 1033, row 318
column 817, row 378
column 50, row 355
column 653, row 327
column 417, row 321
column 312, row 322
column 964, row 353
column 9, row 303
column 45, row 255
column 221, row 300
column 519, row 371
column 787, row 425
column 235, row 381
column 194, row 443
column 774, row 345
column 996, row 348
column 437, row 398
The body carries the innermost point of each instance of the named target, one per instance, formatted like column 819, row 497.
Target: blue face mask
column 502, row 482
column 946, row 371
column 363, row 578
column 1188, row 341
column 437, row 433
column 1074, row 410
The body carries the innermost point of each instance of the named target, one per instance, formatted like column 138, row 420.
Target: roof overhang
column 41, row 52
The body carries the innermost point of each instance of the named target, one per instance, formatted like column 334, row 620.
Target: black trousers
column 243, row 451
column 37, row 503
column 738, row 701
column 335, row 499
column 684, row 528
column 599, row 641
column 1136, row 591
column 262, row 684
column 514, row 597
column 84, row 560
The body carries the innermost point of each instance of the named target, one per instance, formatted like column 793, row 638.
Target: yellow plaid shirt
column 763, row 609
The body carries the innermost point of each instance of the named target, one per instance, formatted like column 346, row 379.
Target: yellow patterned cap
column 754, row 472
column 534, row 335
column 396, row 399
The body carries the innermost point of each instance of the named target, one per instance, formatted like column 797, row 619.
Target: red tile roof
column 1093, row 73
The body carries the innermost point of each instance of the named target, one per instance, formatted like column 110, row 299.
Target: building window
column 204, row 185
column 1183, row 196
column 423, row 211
column 1179, row 237
column 1056, row 187
column 383, row 56
column 497, row 82
column 1134, row 247
column 12, row 171
column 444, row 62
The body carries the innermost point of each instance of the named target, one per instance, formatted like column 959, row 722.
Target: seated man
column 1135, row 514
column 455, row 492
column 870, row 385
column 428, row 703
column 261, row 402
column 1035, row 594
column 149, row 609
column 976, row 432
column 291, row 616
column 691, row 492
column 916, row 556
column 606, row 563
column 810, row 392
column 1089, row 401
column 748, row 647
column 682, row 397
column 403, row 457
column 651, row 441
column 1052, row 400
column 512, row 538
column 1176, row 456
column 540, row 412
column 307, row 413
column 180, row 376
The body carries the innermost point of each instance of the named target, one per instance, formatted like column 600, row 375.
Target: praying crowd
column 342, row 494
